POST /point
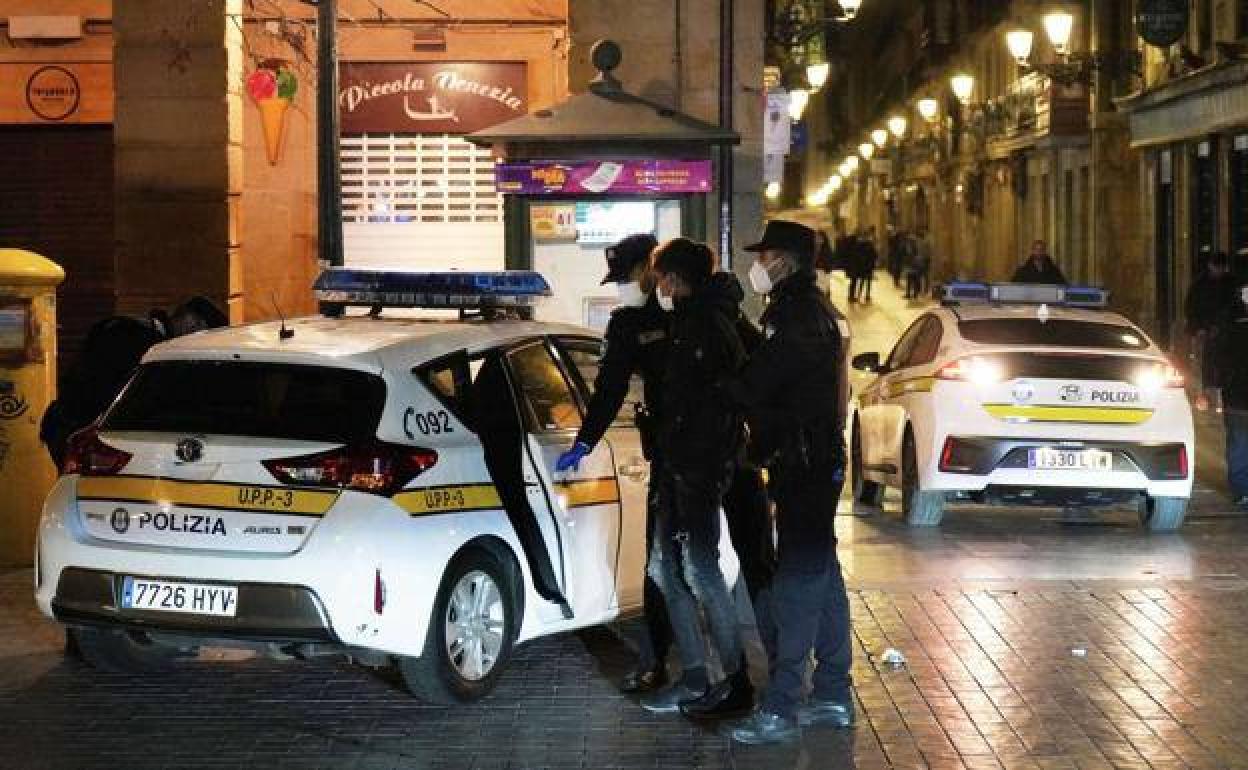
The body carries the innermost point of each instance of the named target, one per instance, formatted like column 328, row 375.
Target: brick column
column 178, row 137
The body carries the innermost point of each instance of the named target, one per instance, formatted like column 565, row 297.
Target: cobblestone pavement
column 1030, row 643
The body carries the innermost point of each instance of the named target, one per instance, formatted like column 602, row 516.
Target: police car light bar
column 967, row 293
column 383, row 288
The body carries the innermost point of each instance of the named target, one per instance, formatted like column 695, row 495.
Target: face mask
column 631, row 294
column 666, row 302
column 760, row 278
column 1243, row 295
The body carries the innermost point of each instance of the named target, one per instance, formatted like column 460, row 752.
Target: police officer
column 636, row 343
column 795, row 389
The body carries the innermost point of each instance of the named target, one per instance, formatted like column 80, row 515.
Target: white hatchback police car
column 1024, row 395
column 380, row 487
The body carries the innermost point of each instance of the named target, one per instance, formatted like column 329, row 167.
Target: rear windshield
column 281, row 401
column 1062, row 333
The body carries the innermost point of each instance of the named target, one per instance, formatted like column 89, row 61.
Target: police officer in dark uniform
column 795, row 390
column 636, row 342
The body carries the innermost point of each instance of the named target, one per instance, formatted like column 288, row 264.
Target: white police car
column 1021, row 394
column 348, row 484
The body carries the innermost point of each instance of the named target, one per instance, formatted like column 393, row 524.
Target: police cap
column 624, row 256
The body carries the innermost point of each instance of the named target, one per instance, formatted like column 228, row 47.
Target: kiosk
column 581, row 175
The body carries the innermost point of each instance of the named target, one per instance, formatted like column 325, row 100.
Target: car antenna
column 284, row 333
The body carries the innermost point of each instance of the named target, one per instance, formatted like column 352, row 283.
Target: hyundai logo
column 190, row 450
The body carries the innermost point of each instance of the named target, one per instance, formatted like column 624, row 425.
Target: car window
column 1058, row 332
column 901, row 351
column 585, row 356
column 450, row 379
column 544, row 391
column 266, row 400
column 927, row 343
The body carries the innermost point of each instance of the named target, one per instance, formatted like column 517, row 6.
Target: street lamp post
column 1071, row 67
column 328, row 172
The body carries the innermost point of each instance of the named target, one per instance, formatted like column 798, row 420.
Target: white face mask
column 631, row 294
column 666, row 302
column 1243, row 295
column 760, row 278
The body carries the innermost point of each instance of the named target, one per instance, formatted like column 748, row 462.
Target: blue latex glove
column 571, row 459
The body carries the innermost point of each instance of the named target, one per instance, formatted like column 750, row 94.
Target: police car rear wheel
column 123, row 652
column 922, row 507
column 1163, row 514
column 865, row 492
column 470, row 635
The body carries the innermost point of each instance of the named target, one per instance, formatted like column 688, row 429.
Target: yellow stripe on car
column 449, row 499
column 1092, row 414
column 206, row 494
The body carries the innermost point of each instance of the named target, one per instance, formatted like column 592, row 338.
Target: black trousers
column 748, row 510
column 807, row 606
column 656, row 636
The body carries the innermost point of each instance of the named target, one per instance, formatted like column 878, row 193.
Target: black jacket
column 636, row 342
column 1028, row 272
column 1231, row 346
column 795, row 386
column 1210, row 302
column 700, row 430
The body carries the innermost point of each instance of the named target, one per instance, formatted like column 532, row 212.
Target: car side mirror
column 867, row 362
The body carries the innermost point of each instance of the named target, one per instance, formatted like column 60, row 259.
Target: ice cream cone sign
column 272, row 91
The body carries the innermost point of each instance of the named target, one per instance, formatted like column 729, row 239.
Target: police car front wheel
column 471, row 632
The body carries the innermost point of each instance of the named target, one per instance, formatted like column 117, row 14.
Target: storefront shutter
column 420, row 202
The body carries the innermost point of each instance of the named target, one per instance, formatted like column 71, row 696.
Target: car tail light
column 1183, row 462
column 87, row 455
column 958, row 456
column 379, row 592
column 973, row 369
column 1156, row 376
column 375, row 467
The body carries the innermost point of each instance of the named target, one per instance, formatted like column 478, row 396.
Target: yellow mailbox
column 27, row 384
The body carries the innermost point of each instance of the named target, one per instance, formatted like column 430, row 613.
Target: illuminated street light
column 866, row 150
column 851, row 162
column 772, row 191
column 817, row 198
column 834, row 182
column 880, row 137
column 817, row 74
column 1058, row 25
column 897, row 126
column 929, row 108
column 963, row 86
column 798, row 99
column 1019, row 42
column 850, row 7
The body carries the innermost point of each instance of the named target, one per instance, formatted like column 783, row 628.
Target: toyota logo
column 120, row 520
column 190, row 450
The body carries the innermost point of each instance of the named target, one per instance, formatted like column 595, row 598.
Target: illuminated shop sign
column 430, row 97
column 604, row 177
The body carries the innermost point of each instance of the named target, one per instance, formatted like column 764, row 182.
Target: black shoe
column 668, row 700
column 643, row 680
column 767, row 728
column 730, row 698
column 826, row 712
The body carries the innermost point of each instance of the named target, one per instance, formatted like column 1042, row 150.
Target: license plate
column 190, row 598
column 1046, row 458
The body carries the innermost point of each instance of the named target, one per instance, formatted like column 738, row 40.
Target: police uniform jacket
column 636, row 342
column 795, row 386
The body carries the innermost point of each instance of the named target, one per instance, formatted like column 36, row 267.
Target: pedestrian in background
column 795, row 387
column 1231, row 354
column 918, row 263
column 868, row 257
column 1039, row 267
column 635, row 343
column 699, row 437
column 825, row 263
column 1210, row 302
column 898, row 242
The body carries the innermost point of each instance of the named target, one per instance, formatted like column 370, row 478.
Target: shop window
column 1163, row 239
column 1204, row 203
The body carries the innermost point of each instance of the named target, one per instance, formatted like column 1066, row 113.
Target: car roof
column 355, row 341
column 978, row 312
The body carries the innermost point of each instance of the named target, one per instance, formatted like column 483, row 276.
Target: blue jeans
column 684, row 562
column 807, row 607
column 1236, row 422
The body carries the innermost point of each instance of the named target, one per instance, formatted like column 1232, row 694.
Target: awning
column 1207, row 101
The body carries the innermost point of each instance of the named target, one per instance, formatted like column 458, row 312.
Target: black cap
column 789, row 236
column 624, row 256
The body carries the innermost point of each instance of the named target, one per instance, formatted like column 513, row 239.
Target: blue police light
column 971, row 293
column 383, row 288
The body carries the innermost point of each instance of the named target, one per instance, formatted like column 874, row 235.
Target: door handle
column 635, row 469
